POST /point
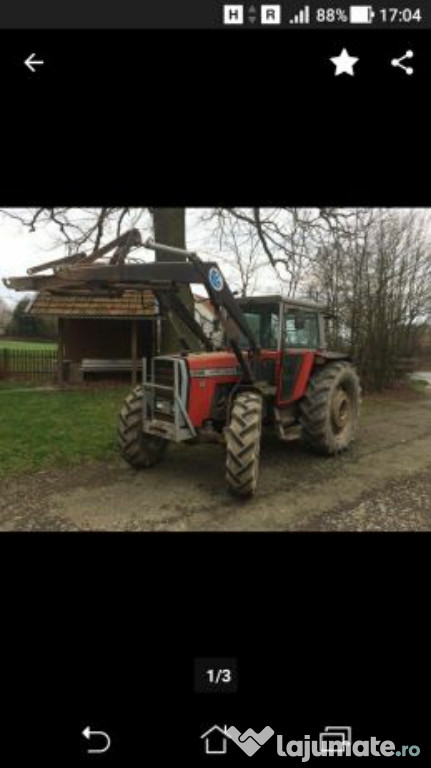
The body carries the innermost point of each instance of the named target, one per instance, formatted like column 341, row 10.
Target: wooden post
column 60, row 352
column 134, row 339
column 5, row 364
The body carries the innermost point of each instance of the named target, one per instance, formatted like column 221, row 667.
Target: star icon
column 344, row 63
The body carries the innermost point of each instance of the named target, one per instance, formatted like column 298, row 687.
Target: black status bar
column 211, row 14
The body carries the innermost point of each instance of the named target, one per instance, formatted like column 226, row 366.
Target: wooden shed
column 101, row 335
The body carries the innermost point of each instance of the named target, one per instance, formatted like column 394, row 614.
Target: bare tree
column 239, row 250
column 370, row 266
column 376, row 279
column 80, row 229
column 288, row 238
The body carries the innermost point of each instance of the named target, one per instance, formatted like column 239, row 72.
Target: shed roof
column 129, row 304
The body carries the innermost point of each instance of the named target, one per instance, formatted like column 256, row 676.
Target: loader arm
column 162, row 278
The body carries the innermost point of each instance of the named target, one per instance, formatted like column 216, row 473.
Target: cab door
column 292, row 361
column 300, row 339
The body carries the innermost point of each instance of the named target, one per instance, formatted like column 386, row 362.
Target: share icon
column 398, row 62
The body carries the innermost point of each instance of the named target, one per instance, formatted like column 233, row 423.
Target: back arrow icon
column 88, row 734
column 32, row 63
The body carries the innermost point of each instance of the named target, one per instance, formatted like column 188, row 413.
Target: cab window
column 301, row 329
column 264, row 322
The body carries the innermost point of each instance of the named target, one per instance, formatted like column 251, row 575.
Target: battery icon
column 361, row 14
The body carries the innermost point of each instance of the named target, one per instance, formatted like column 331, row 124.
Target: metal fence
column 28, row 364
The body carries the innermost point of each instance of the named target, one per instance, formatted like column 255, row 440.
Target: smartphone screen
column 215, row 382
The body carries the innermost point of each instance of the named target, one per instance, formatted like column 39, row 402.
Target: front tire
column 329, row 409
column 138, row 449
column 243, row 444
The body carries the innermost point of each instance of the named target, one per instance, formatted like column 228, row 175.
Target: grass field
column 36, row 345
column 44, row 429
column 39, row 430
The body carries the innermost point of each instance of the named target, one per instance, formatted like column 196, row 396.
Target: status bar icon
column 302, row 17
column 361, row 14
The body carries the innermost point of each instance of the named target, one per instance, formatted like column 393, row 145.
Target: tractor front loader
column 273, row 370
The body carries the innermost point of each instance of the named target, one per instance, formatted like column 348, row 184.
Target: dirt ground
column 382, row 484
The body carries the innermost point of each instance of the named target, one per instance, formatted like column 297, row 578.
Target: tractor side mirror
column 299, row 323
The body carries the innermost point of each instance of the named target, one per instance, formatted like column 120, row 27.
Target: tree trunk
column 170, row 229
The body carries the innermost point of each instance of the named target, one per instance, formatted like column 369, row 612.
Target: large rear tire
column 138, row 449
column 243, row 444
column 329, row 409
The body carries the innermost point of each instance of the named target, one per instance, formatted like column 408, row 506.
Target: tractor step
column 286, row 425
column 290, row 433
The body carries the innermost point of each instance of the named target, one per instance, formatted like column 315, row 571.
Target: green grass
column 418, row 385
column 37, row 345
column 43, row 430
column 12, row 386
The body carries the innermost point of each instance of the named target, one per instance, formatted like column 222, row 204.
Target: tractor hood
column 213, row 364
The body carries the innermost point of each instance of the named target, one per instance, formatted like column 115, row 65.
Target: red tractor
column 274, row 371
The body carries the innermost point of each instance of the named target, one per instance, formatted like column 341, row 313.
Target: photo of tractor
column 269, row 369
column 216, row 369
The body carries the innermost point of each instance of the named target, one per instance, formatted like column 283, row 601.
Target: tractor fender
column 325, row 356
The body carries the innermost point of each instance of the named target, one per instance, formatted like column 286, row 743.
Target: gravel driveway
column 382, row 484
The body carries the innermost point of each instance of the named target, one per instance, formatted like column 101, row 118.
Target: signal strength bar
column 303, row 17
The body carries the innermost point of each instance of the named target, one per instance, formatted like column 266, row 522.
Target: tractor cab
column 288, row 332
column 279, row 323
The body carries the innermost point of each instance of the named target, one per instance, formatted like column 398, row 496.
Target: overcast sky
column 21, row 249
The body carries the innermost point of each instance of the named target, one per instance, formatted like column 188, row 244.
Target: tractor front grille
column 164, row 372
column 165, row 402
